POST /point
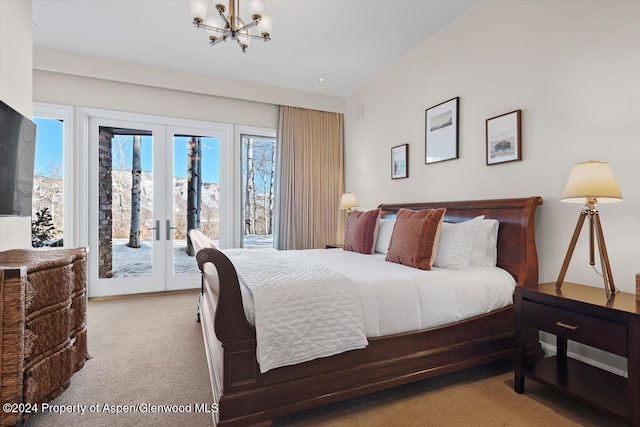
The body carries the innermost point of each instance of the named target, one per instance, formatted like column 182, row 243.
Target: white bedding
column 393, row 298
column 397, row 298
column 303, row 310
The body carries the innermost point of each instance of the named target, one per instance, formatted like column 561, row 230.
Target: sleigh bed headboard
column 516, row 236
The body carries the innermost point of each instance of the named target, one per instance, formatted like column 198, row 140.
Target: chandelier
column 221, row 27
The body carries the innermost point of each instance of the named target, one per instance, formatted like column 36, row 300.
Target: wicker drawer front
column 49, row 377
column 48, row 287
column 45, row 332
column 599, row 333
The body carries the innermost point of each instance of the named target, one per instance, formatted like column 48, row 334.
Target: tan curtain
column 311, row 178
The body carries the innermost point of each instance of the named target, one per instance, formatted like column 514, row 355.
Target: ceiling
column 346, row 42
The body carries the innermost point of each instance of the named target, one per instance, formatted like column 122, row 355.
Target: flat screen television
column 17, row 156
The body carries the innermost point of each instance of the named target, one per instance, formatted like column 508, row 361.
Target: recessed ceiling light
column 321, row 79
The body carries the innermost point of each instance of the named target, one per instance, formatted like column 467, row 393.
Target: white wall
column 16, row 54
column 63, row 62
column 573, row 67
column 15, row 90
column 67, row 89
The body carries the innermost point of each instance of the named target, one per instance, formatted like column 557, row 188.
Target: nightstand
column 582, row 314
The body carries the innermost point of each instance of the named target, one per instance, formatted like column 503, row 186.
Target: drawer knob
column 564, row 325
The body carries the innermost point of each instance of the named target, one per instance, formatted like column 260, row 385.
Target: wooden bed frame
column 247, row 397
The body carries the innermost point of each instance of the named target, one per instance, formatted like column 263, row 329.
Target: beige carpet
column 149, row 350
column 144, row 350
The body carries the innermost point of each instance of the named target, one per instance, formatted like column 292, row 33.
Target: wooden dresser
column 43, row 333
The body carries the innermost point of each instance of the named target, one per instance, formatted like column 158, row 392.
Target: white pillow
column 485, row 247
column 385, row 230
column 455, row 244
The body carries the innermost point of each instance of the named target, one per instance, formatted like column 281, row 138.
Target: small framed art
column 504, row 138
column 400, row 161
column 441, row 132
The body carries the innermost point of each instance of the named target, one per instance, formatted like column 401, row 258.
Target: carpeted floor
column 149, row 350
column 145, row 350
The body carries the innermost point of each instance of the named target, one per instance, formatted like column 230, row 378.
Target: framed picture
column 400, row 161
column 504, row 139
column 441, row 132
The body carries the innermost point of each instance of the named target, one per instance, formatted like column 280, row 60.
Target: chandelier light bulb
column 244, row 39
column 256, row 7
column 264, row 26
column 199, row 10
column 212, row 21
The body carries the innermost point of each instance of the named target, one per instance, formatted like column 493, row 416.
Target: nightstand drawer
column 599, row 333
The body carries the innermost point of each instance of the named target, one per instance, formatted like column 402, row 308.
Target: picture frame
column 504, row 138
column 400, row 161
column 441, row 131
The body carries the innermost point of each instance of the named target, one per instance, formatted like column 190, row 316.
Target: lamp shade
column 592, row 180
column 348, row 201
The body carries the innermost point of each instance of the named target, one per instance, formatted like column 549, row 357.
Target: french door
column 192, row 154
column 148, row 183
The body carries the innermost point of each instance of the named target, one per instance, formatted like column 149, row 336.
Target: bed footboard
column 231, row 325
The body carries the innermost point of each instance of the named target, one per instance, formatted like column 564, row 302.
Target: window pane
column 196, row 195
column 126, row 203
column 258, row 186
column 48, row 187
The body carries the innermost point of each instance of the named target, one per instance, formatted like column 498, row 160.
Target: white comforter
column 396, row 298
column 303, row 310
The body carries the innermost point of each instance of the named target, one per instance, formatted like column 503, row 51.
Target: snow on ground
column 130, row 262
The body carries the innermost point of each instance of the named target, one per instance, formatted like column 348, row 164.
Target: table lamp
column 348, row 201
column 589, row 183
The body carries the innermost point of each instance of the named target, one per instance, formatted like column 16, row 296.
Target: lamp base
column 595, row 227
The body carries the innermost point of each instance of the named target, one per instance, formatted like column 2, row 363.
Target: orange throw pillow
column 415, row 237
column 362, row 230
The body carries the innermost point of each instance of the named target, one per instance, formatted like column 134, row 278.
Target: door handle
column 169, row 228
column 157, row 228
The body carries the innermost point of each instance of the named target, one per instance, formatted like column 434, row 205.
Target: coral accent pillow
column 414, row 241
column 362, row 230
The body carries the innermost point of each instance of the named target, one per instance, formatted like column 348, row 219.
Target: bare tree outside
column 194, row 188
column 48, row 193
column 263, row 181
column 119, row 147
column 271, row 195
column 123, row 192
column 258, row 167
column 249, row 189
column 136, row 187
